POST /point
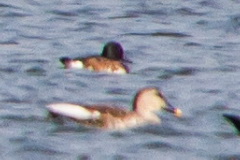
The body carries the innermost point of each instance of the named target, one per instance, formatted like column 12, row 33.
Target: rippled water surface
column 189, row 49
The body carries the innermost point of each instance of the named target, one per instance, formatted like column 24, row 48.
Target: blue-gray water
column 189, row 49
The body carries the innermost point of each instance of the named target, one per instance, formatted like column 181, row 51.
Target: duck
column 234, row 120
column 147, row 102
column 111, row 60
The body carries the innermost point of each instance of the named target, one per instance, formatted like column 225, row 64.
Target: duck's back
column 98, row 63
column 106, row 113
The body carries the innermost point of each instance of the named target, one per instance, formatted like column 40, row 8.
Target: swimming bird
column 234, row 120
column 146, row 104
column 111, row 60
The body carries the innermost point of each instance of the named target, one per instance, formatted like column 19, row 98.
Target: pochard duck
column 111, row 60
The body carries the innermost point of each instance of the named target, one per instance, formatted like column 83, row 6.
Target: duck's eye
column 159, row 94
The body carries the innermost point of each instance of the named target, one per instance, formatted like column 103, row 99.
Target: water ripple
column 158, row 145
column 234, row 23
column 15, row 14
column 64, row 13
column 8, row 70
column 36, row 71
column 38, row 149
column 169, row 73
column 85, row 157
column 185, row 71
column 16, row 101
column 9, row 42
column 3, row 5
column 161, row 34
column 128, row 16
column 23, row 119
column 227, row 157
column 189, row 11
column 190, row 44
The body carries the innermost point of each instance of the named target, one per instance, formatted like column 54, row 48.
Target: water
column 189, row 49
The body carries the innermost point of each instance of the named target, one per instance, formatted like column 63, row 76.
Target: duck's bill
column 126, row 60
column 176, row 111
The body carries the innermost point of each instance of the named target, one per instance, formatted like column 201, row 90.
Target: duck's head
column 150, row 100
column 114, row 50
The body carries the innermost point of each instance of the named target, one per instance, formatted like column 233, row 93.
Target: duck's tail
column 73, row 111
column 64, row 60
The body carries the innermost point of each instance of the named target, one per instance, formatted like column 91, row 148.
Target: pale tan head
column 150, row 100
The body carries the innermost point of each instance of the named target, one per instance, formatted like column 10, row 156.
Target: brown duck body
column 102, row 64
column 109, row 116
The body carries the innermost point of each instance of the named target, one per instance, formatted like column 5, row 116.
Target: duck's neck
column 133, row 119
column 149, row 116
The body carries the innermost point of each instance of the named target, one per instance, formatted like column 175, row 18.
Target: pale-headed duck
column 146, row 103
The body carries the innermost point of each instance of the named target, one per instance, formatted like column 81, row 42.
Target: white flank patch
column 76, row 64
column 73, row 111
column 120, row 71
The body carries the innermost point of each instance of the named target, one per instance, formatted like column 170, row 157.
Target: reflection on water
column 189, row 49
